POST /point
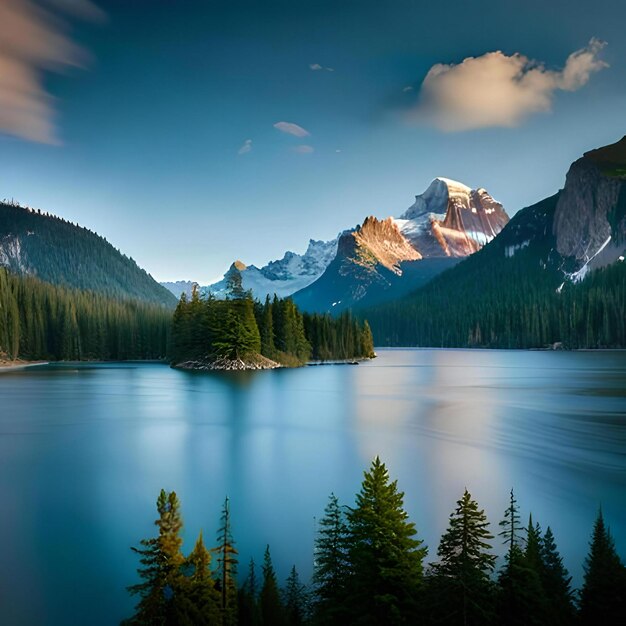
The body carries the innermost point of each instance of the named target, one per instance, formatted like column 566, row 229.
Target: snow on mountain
column 282, row 277
column 451, row 219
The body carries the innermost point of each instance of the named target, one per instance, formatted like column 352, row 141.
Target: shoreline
column 11, row 366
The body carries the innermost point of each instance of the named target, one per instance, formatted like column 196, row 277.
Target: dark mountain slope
column 59, row 252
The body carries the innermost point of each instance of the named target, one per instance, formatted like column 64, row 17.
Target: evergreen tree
column 385, row 557
column 249, row 614
column 204, row 599
column 520, row 594
column 270, row 605
column 161, row 561
column 331, row 565
column 461, row 579
column 227, row 567
column 603, row 595
column 266, row 329
column 556, row 583
column 296, row 600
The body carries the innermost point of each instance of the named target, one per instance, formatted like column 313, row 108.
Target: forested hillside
column 59, row 252
column 206, row 331
column 40, row 321
column 511, row 294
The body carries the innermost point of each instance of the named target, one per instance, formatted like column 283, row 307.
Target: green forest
column 371, row 568
column 206, row 330
column 62, row 253
column 40, row 321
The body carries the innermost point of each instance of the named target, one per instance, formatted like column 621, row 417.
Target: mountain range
column 452, row 270
column 378, row 260
column 525, row 288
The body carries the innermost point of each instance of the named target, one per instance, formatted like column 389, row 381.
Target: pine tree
column 603, row 595
column 462, row 584
column 161, row 561
column 385, row 557
column 556, row 583
column 296, row 600
column 248, row 613
column 203, row 596
column 520, row 595
column 331, row 565
column 227, row 567
column 270, row 605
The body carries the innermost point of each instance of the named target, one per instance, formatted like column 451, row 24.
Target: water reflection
column 85, row 449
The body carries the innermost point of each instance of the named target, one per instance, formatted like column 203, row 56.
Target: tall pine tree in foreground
column 249, row 614
column 204, row 599
column 162, row 590
column 331, row 565
column 461, row 586
column 556, row 583
column 603, row 595
column 296, row 600
column 270, row 605
column 520, row 595
column 227, row 567
column 385, row 557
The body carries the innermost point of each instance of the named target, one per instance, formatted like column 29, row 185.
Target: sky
column 194, row 133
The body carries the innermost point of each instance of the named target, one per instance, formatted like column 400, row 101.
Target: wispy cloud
column 499, row 90
column 304, row 149
column 316, row 67
column 292, row 129
column 246, row 147
column 407, row 88
column 33, row 40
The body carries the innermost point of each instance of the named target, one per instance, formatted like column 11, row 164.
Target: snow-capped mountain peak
column 451, row 219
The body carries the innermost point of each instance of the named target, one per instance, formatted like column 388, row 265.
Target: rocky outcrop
column 251, row 362
column 590, row 217
column 376, row 242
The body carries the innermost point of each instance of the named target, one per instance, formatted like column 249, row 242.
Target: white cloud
column 407, row 88
column 316, row 67
column 291, row 129
column 33, row 41
column 499, row 90
column 304, row 149
column 246, row 147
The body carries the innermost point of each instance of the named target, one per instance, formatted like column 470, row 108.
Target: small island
column 240, row 333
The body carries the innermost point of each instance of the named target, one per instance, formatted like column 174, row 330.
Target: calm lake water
column 85, row 449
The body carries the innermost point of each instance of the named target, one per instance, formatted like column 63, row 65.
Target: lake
column 85, row 449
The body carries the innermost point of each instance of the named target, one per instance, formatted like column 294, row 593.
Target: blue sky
column 141, row 141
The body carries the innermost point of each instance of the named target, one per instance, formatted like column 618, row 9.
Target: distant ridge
column 34, row 243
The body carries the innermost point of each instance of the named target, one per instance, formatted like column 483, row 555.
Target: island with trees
column 239, row 333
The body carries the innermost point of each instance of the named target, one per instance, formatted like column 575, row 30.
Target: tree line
column 513, row 302
column 40, row 321
column 238, row 327
column 371, row 568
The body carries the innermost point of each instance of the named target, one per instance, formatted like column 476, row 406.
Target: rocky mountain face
column 450, row 219
column 382, row 259
column 590, row 217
